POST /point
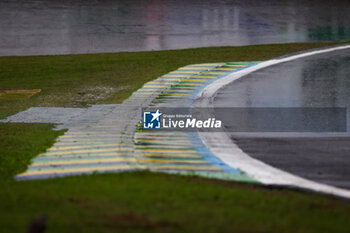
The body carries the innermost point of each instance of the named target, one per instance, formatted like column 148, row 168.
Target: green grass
column 20, row 142
column 139, row 201
column 150, row 202
column 79, row 80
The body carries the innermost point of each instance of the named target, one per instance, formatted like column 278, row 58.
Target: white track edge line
column 222, row 146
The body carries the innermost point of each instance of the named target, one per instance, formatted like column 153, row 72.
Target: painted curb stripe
column 84, row 152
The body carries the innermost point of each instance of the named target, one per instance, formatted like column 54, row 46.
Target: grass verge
column 150, row 202
column 79, row 80
column 20, row 142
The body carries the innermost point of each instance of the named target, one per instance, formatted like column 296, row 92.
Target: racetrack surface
column 316, row 81
column 325, row 160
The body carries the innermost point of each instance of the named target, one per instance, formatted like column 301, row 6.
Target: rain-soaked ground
column 30, row 27
column 315, row 81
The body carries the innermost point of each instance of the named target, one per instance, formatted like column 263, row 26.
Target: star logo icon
column 156, row 115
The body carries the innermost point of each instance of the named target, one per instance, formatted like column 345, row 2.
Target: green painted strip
column 219, row 175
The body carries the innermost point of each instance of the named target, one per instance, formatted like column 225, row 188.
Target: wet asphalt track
column 315, row 81
column 30, row 27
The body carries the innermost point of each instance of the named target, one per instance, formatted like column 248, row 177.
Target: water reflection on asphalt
column 63, row 27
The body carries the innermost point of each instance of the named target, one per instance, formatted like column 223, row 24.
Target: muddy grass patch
column 93, row 95
column 81, row 97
